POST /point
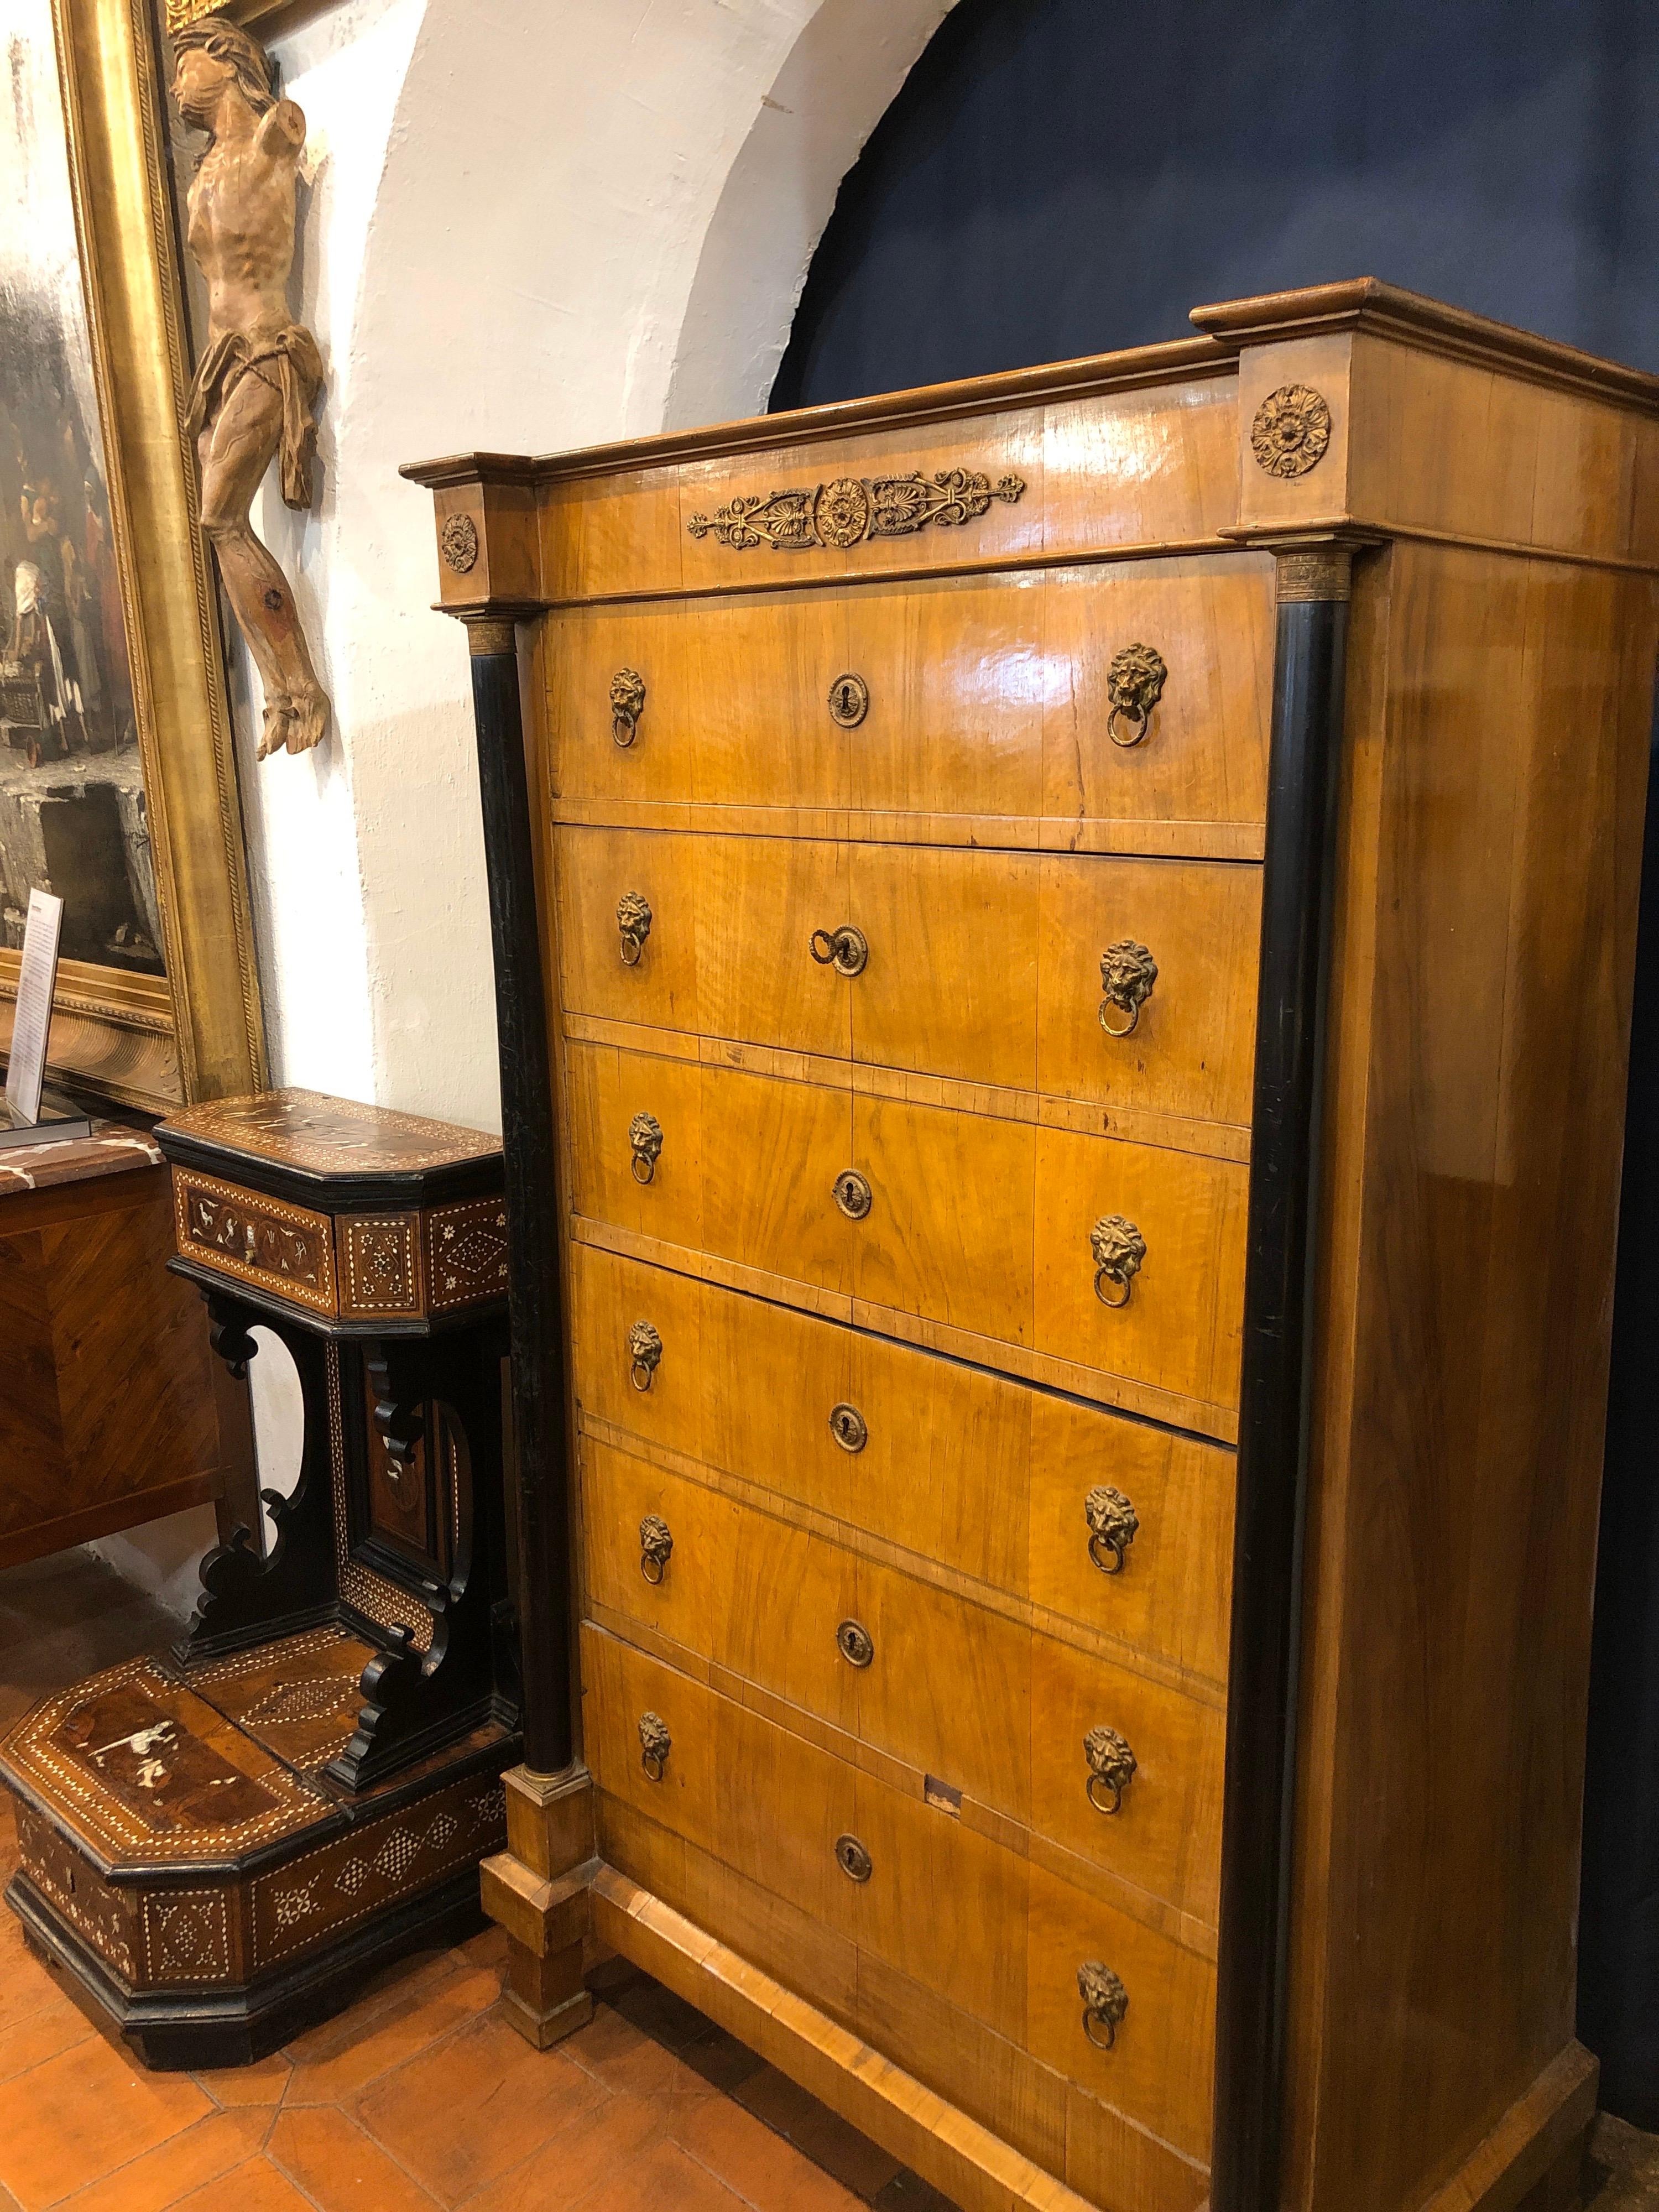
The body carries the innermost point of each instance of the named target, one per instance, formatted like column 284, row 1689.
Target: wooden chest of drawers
column 1063, row 949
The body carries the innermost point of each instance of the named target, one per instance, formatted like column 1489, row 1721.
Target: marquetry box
column 218, row 1844
column 1083, row 925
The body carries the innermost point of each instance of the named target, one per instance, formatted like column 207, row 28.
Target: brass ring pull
column 644, row 1354
column 1128, row 973
column 1105, row 2001
column 852, row 1194
column 1134, row 684
column 655, row 1744
column 849, row 701
column 1119, row 1249
column 846, row 950
column 852, row 1859
column 1111, row 1768
column 1113, row 1526
column 848, row 1428
column 656, row 1546
column 627, row 704
column 633, row 921
column 856, row 1644
column 644, row 1140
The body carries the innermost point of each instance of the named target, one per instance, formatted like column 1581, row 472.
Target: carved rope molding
column 854, row 508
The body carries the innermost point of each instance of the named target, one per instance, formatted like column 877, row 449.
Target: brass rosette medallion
column 1105, row 2001
column 1119, row 1249
column 1111, row 1768
column 1291, row 430
column 458, row 541
column 1114, row 1525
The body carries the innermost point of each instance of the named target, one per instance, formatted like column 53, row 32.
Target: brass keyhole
column 849, row 701
column 848, row 1428
column 852, row 1194
column 846, row 950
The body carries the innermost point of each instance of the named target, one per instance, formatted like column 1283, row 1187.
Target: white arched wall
column 533, row 223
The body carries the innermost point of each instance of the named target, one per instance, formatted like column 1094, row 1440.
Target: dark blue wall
column 1061, row 177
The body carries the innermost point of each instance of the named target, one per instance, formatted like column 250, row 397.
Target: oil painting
column 72, row 812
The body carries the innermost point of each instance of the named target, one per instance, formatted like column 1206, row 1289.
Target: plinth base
column 194, row 1876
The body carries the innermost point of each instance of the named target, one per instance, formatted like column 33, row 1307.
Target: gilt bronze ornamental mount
column 845, row 513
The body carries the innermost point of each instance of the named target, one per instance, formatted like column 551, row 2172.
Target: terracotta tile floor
column 421, row 2095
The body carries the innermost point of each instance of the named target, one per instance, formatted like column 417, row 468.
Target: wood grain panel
column 1191, row 1049
column 1160, row 2068
column 1498, row 759
column 771, row 1154
column 1180, row 1327
column 1203, row 757
column 617, row 1492
column 581, row 652
column 761, row 899
column 595, row 870
column 608, row 1295
column 604, row 1090
column 1167, row 1836
column 1141, row 466
column 1172, row 1595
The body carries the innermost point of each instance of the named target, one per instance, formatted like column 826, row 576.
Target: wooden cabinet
column 1087, row 923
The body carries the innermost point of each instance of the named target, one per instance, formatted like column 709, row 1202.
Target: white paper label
column 31, row 1024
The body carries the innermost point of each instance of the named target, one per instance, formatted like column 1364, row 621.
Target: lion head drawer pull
column 1105, row 2001
column 849, row 1428
column 846, row 950
column 627, row 704
column 852, row 1859
column 644, row 1354
column 657, row 1549
column 1119, row 1249
column 633, row 921
column 655, row 1744
column 856, row 1644
column 1134, row 684
column 1114, row 1525
column 852, row 1194
column 849, row 701
column 645, row 1142
column 1111, row 1768
column 1128, row 973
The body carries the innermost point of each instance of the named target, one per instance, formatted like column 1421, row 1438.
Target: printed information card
column 32, row 1025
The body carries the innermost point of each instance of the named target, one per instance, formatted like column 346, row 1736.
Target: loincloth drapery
column 289, row 363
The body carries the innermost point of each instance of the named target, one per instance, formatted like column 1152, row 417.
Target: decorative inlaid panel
column 150, row 1774
column 331, row 1136
column 188, row 1935
column 299, row 1697
column 101, row 1915
column 284, row 1249
column 381, row 1263
column 465, row 1253
column 316, row 1896
column 374, row 1597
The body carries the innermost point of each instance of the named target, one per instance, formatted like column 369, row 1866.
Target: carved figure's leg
column 236, row 449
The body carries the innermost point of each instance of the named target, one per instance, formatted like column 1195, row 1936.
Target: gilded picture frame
column 194, row 1031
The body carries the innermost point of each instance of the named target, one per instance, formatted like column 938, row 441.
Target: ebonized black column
column 539, row 1476
column 1273, row 1407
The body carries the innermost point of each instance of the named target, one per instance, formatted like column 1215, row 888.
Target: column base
column 536, row 1890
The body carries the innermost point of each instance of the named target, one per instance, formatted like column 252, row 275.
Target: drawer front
column 982, row 1927
column 980, row 1473
column 1160, row 2068
column 1128, row 981
column 959, row 1693
column 286, row 1251
column 979, row 699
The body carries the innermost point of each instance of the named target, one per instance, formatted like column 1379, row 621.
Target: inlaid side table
column 219, row 1842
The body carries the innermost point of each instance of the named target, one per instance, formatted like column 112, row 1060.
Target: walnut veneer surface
column 847, row 817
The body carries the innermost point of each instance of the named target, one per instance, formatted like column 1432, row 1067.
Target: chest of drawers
column 1063, row 950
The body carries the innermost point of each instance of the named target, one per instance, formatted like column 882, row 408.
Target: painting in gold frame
column 113, row 723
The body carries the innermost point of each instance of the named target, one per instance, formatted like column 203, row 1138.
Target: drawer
column 984, row 967
column 979, row 699
column 979, row 1472
column 1160, row 2068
